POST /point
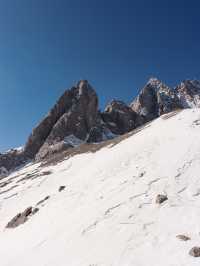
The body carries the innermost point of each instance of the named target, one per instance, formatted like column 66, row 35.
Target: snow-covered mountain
column 100, row 205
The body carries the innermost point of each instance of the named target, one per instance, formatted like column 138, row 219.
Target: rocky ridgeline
column 76, row 118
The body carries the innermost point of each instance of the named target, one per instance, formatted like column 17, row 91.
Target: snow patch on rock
column 73, row 141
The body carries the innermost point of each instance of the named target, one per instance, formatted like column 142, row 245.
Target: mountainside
column 188, row 93
column 155, row 99
column 102, row 208
column 76, row 117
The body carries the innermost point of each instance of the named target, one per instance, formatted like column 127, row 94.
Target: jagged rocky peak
column 188, row 93
column 119, row 117
column 74, row 114
column 75, row 118
column 83, row 86
column 155, row 99
column 156, row 83
column 10, row 160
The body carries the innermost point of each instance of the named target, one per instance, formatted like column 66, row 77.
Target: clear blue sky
column 46, row 46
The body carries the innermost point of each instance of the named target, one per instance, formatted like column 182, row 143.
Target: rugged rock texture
column 95, row 135
column 11, row 159
column 161, row 198
column 21, row 218
column 3, row 172
column 75, row 118
column 195, row 252
column 74, row 114
column 120, row 118
column 154, row 100
column 183, row 237
column 61, row 188
column 100, row 132
column 188, row 93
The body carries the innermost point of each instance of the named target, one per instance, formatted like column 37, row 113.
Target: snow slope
column 107, row 215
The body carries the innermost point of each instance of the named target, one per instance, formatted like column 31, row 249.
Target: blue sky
column 46, row 46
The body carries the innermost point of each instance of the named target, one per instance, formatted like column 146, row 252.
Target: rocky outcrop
column 75, row 114
column 61, row 188
column 100, row 132
column 188, row 93
column 161, row 198
column 3, row 172
column 22, row 217
column 154, row 100
column 195, row 252
column 183, row 237
column 95, row 135
column 120, row 118
column 11, row 160
column 75, row 119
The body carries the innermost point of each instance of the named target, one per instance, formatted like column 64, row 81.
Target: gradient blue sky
column 46, row 46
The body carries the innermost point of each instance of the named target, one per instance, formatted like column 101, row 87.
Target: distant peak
column 82, row 84
column 154, row 81
column 194, row 82
column 157, row 85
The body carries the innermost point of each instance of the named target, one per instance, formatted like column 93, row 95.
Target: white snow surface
column 107, row 215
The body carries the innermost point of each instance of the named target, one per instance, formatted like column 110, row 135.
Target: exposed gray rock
column 120, row 118
column 3, row 172
column 154, row 100
column 95, row 135
column 100, row 133
column 195, row 252
column 188, row 93
column 49, row 150
column 161, row 198
column 74, row 114
column 12, row 159
column 183, row 237
column 75, row 119
column 21, row 218
column 61, row 188
column 43, row 200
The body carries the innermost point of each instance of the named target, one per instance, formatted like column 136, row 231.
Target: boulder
column 61, row 188
column 195, row 252
column 183, row 237
column 161, row 198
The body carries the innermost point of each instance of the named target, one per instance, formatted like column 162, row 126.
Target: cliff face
column 74, row 114
column 154, row 100
column 120, row 118
column 76, row 118
column 188, row 93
